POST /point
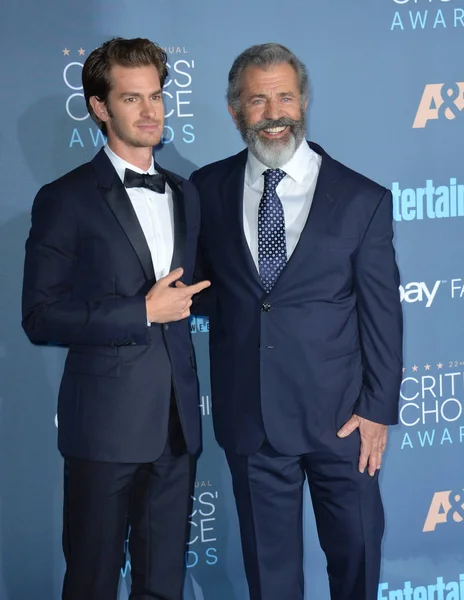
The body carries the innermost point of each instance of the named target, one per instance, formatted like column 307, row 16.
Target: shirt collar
column 120, row 165
column 297, row 167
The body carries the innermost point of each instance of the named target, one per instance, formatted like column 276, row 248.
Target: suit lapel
column 322, row 208
column 116, row 196
column 179, row 216
column 234, row 185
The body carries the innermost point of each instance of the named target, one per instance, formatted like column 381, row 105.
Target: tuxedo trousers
column 101, row 499
column 268, row 489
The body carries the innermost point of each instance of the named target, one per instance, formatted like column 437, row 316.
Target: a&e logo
column 439, row 100
column 446, row 507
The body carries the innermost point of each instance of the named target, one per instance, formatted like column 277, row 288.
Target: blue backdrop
column 387, row 94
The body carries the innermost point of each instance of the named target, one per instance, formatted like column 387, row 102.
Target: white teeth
column 274, row 130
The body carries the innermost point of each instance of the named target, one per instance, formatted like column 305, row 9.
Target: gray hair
column 264, row 55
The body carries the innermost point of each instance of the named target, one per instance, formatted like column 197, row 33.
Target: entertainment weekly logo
column 177, row 94
column 431, row 404
column 432, row 200
column 430, row 15
column 425, row 590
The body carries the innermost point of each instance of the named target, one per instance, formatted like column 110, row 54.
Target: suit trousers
column 154, row 498
column 268, row 489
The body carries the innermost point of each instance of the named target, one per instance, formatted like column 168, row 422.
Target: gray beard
column 272, row 153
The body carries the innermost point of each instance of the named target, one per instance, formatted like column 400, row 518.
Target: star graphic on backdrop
column 415, row 368
column 81, row 51
column 66, row 52
column 440, row 365
column 427, row 367
column 404, row 369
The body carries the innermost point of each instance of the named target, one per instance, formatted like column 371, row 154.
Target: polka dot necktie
column 272, row 246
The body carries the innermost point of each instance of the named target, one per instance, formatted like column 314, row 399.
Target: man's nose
column 272, row 110
column 148, row 108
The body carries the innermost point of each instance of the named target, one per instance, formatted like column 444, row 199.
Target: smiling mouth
column 274, row 131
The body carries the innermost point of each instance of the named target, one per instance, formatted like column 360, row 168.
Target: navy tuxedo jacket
column 87, row 270
column 294, row 364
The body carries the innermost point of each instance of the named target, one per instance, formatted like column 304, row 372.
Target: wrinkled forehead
column 269, row 79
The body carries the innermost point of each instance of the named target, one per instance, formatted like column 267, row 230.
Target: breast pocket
column 98, row 365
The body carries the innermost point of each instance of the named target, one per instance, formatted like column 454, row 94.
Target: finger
column 198, row 287
column 348, row 427
column 375, row 460
column 185, row 314
column 363, row 457
column 172, row 276
column 180, row 284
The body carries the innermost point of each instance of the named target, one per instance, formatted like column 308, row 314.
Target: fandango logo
column 446, row 507
column 439, row 101
column 433, row 591
column 419, row 291
column 428, row 202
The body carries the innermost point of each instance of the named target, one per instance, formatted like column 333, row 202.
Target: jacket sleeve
column 380, row 318
column 49, row 312
column 203, row 302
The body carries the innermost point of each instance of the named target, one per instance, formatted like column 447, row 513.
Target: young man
column 306, row 330
column 107, row 245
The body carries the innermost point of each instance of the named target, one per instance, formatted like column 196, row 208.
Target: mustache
column 269, row 123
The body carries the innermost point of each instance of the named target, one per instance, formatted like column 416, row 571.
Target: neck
column 139, row 157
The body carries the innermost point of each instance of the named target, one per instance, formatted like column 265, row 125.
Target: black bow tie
column 155, row 183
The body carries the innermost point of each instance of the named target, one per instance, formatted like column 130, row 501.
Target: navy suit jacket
column 87, row 271
column 294, row 364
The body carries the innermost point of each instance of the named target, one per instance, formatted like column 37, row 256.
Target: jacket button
column 266, row 307
column 166, row 327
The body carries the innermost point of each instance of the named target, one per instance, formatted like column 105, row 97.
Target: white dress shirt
column 296, row 192
column 155, row 214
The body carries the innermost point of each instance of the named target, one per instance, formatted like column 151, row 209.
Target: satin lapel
column 322, row 208
column 233, row 188
column 179, row 216
column 116, row 196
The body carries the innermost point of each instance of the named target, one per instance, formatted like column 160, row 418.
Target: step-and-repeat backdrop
column 387, row 99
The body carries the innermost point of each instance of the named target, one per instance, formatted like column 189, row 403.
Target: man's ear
column 99, row 108
column 232, row 113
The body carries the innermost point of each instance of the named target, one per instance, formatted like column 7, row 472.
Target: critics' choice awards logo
column 177, row 93
column 445, row 508
column 431, row 404
column 202, row 543
column 432, row 590
column 420, row 15
column 439, row 101
column 441, row 200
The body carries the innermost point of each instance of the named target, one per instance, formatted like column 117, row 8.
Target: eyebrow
column 139, row 95
column 280, row 95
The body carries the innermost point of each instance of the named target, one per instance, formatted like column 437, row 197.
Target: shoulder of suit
column 360, row 180
column 219, row 167
column 68, row 181
column 355, row 179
